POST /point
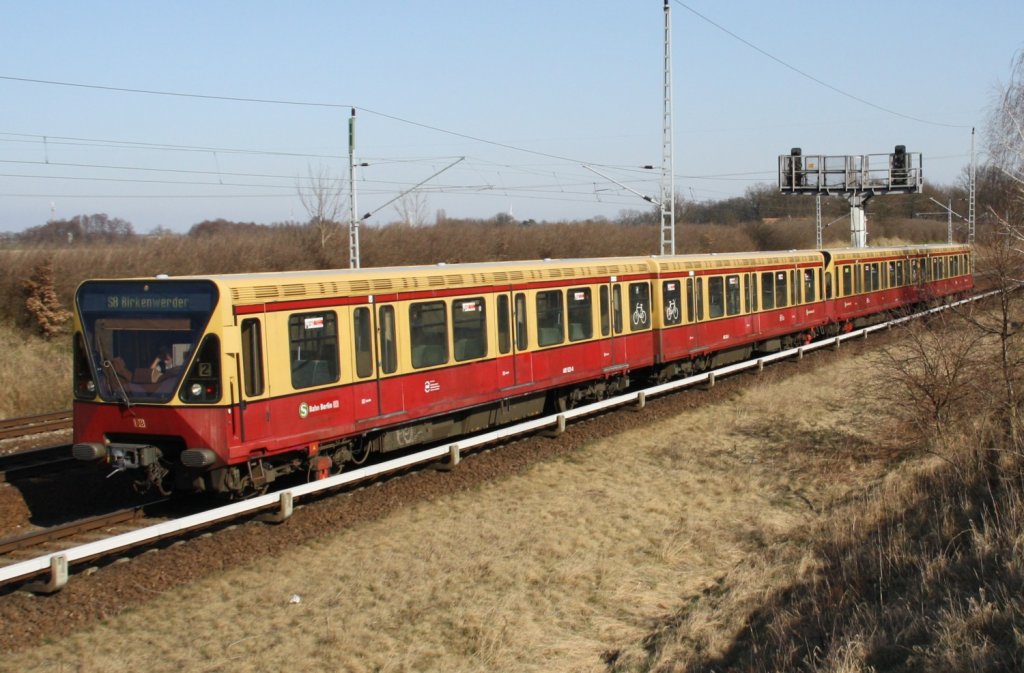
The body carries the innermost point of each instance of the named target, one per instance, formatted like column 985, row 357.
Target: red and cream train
column 224, row 383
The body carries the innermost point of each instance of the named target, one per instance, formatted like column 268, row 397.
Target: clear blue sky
column 572, row 82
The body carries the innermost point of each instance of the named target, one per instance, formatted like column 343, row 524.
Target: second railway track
column 33, row 425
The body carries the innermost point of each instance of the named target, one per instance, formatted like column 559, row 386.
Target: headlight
column 91, row 387
column 196, row 390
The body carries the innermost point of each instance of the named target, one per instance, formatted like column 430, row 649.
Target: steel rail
column 33, row 461
column 33, row 425
column 69, row 529
column 58, row 562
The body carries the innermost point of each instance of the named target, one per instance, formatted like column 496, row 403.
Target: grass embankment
column 36, row 374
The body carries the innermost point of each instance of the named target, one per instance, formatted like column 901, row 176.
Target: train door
column 390, row 395
column 253, row 410
column 609, row 357
column 522, row 358
column 365, row 401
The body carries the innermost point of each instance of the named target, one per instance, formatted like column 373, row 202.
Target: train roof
column 272, row 286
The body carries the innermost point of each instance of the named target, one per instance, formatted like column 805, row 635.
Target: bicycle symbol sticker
column 639, row 315
column 671, row 312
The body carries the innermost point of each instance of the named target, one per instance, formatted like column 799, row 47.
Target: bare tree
column 412, row 208
column 322, row 197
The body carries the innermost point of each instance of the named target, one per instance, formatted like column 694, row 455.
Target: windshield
column 140, row 335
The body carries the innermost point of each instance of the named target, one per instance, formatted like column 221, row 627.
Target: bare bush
column 42, row 302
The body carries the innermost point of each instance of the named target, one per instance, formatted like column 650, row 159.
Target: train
column 226, row 383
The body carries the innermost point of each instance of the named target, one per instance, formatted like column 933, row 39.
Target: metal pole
column 817, row 220
column 353, row 225
column 949, row 222
column 970, row 202
column 668, row 199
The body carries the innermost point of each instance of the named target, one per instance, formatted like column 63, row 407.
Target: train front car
column 148, row 394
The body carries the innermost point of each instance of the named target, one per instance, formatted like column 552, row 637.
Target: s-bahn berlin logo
column 305, row 408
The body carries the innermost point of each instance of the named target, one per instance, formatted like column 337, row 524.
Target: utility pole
column 817, row 221
column 353, row 226
column 970, row 201
column 668, row 197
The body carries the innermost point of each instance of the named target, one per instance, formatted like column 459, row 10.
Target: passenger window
column 605, row 311
column 716, row 299
column 617, row 308
column 504, row 325
column 689, row 297
column 767, row 291
column 732, row 295
column 672, row 299
column 362, row 332
column 469, row 328
column 581, row 314
column 428, row 333
column 550, row 309
column 252, row 357
column 640, row 306
column 781, row 291
column 388, row 345
column 522, row 336
column 313, row 344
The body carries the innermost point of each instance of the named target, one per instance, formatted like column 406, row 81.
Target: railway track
column 71, row 529
column 35, row 461
column 34, row 425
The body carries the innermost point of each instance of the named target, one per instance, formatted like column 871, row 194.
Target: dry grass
column 577, row 565
column 36, row 375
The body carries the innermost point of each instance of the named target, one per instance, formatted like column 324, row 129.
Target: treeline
column 758, row 205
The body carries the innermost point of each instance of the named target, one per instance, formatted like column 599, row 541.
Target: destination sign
column 121, row 297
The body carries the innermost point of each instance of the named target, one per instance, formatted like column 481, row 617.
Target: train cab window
column 504, row 325
column 809, row 285
column 469, row 328
column 640, row 306
column 581, row 313
column 519, row 317
column 617, row 309
column 716, row 297
column 767, row 291
column 362, row 335
column 550, row 318
column 313, row 346
column 780, row 289
column 847, row 284
column 605, row 311
column 732, row 295
column 428, row 333
column 388, row 342
column 671, row 297
column 252, row 357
